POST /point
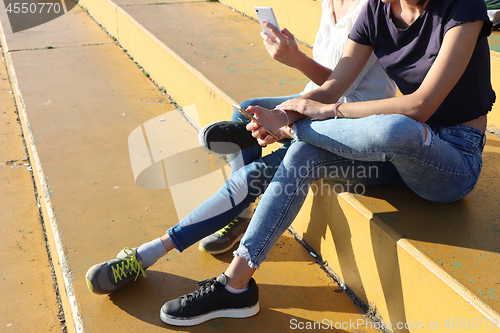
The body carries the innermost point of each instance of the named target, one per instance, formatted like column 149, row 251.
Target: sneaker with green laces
column 109, row 276
column 223, row 240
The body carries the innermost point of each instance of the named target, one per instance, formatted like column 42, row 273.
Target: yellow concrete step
column 417, row 262
column 89, row 116
column 191, row 44
column 300, row 17
column 27, row 285
column 494, row 116
column 398, row 262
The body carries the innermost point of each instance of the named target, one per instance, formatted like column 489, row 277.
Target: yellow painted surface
column 104, row 12
column 163, row 65
column 494, row 115
column 27, row 289
column 223, row 60
column 301, row 18
column 435, row 302
column 80, row 106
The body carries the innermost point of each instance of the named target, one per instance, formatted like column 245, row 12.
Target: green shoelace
column 228, row 227
column 129, row 264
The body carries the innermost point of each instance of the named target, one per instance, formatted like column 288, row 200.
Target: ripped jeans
column 440, row 164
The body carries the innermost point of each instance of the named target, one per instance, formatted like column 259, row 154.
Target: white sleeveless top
column 330, row 42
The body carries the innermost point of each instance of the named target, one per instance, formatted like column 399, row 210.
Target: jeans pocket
column 460, row 143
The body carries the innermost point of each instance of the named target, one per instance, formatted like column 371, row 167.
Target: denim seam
column 407, row 156
column 441, row 170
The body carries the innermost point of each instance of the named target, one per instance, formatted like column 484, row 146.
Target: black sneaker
column 211, row 301
column 226, row 137
column 111, row 275
column 223, row 240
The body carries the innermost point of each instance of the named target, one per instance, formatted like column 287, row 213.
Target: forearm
column 437, row 84
column 316, row 72
column 411, row 106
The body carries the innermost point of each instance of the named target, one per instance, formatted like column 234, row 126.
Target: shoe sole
column 227, row 313
column 202, row 249
column 203, row 144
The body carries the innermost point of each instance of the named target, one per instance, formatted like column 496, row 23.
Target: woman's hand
column 270, row 120
column 308, row 108
column 282, row 46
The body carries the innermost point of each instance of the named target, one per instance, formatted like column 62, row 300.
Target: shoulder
column 456, row 12
column 374, row 8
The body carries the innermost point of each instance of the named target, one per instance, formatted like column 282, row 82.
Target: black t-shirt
column 408, row 54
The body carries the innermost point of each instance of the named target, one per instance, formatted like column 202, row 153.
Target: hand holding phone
column 252, row 118
column 267, row 14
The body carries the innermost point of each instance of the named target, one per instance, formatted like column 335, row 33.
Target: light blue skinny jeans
column 384, row 149
column 231, row 199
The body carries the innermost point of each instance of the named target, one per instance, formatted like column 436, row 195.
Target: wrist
column 338, row 113
column 281, row 117
column 336, row 110
column 301, row 61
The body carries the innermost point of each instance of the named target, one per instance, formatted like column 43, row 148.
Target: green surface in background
column 494, row 40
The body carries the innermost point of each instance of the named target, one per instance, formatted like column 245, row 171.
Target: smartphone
column 250, row 117
column 267, row 14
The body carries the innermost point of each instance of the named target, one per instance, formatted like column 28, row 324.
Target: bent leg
column 440, row 164
column 285, row 195
column 243, row 188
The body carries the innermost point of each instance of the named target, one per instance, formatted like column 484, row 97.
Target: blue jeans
column 244, row 187
column 239, row 191
column 251, row 154
column 384, row 149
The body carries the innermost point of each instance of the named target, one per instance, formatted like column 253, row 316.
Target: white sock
column 235, row 291
column 150, row 252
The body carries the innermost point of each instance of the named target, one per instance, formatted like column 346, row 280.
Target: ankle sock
column 234, row 290
column 150, row 252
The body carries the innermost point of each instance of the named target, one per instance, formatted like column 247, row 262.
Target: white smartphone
column 266, row 14
column 250, row 117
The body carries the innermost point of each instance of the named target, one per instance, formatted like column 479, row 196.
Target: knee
column 396, row 127
column 300, row 153
column 254, row 175
column 393, row 122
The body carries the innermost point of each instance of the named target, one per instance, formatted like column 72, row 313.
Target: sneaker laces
column 228, row 227
column 206, row 286
column 130, row 263
column 236, row 133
